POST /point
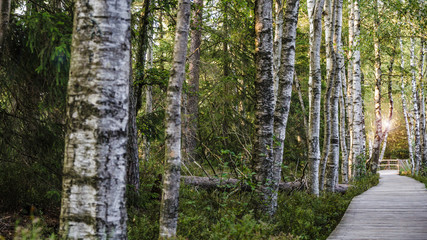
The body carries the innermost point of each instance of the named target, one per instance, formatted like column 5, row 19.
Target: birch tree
column 314, row 8
column 374, row 161
column 349, row 95
column 405, row 108
column 415, row 103
column 193, row 81
column 358, row 143
column 329, row 12
column 422, row 103
column 94, row 175
column 264, row 113
column 172, row 175
column 287, row 69
column 333, row 159
column 277, row 44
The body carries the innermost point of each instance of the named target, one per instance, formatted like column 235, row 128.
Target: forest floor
column 11, row 222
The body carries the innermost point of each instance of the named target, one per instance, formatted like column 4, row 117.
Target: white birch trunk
column 343, row 131
column 329, row 13
column 94, row 179
column 314, row 8
column 422, row 104
column 193, row 82
column 277, row 44
column 333, row 159
column 358, row 144
column 349, row 96
column 286, row 75
column 374, row 161
column 172, row 175
column 415, row 103
column 264, row 115
column 404, row 107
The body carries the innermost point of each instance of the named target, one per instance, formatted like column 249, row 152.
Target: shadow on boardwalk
column 394, row 209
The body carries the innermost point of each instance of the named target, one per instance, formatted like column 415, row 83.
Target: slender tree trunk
column 422, row 105
column 301, row 101
column 94, row 179
column 374, row 161
column 172, row 175
column 277, row 45
column 415, row 103
column 333, row 159
column 329, row 12
column 404, row 107
column 4, row 20
column 349, row 96
column 132, row 147
column 358, row 144
column 144, row 26
column 193, row 82
column 264, row 115
column 390, row 98
column 314, row 8
column 287, row 69
column 343, row 131
column 148, row 103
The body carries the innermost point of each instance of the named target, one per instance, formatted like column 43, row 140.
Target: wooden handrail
column 391, row 164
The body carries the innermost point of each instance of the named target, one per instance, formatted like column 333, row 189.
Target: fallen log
column 228, row 183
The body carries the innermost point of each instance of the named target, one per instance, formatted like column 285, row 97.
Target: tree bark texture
column 405, row 108
column 193, row 82
column 172, row 175
column 358, row 144
column 4, row 20
column 374, row 161
column 422, row 104
column 277, row 44
column 415, row 103
column 333, row 159
column 286, row 75
column 349, row 95
column 329, row 19
column 94, row 176
column 314, row 8
column 132, row 147
column 264, row 113
column 144, row 25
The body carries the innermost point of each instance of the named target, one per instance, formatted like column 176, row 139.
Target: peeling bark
column 94, row 179
column 264, row 114
column 170, row 192
column 422, row 104
column 358, row 143
column 333, row 159
column 415, row 103
column 286, row 75
column 329, row 19
column 349, row 96
column 277, row 44
column 314, row 8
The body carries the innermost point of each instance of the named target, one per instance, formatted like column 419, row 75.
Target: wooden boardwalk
column 394, row 209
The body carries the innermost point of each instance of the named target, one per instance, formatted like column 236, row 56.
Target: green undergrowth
column 419, row 178
column 228, row 214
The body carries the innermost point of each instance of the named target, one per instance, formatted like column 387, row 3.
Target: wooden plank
column 394, row 209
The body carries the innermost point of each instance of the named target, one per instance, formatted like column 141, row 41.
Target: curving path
column 394, row 209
